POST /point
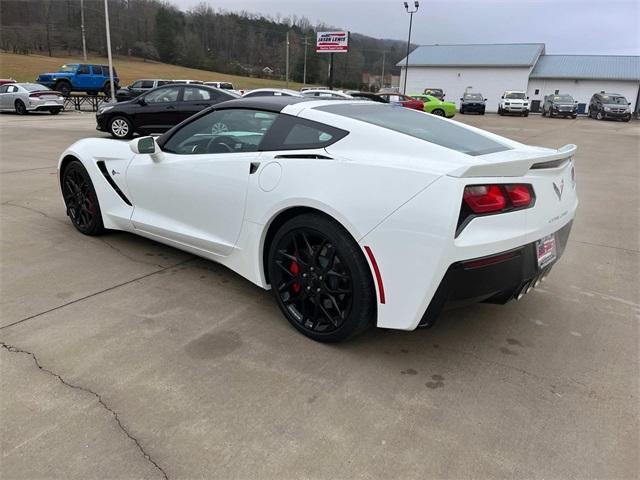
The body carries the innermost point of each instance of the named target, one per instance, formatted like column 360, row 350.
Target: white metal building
column 492, row 69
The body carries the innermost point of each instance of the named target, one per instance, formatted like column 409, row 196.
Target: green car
column 435, row 106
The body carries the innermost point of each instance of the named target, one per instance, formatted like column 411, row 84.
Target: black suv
column 157, row 110
column 472, row 102
column 560, row 104
column 609, row 105
column 138, row 88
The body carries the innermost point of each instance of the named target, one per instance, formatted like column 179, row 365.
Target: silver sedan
column 30, row 97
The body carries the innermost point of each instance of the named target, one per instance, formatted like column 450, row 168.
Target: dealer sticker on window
column 546, row 248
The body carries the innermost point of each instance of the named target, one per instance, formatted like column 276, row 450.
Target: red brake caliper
column 295, row 269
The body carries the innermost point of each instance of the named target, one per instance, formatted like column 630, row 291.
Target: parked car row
column 144, row 85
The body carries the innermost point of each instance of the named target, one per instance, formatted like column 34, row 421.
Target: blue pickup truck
column 80, row 77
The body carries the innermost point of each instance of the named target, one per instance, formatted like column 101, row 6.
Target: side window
column 222, row 131
column 96, row 69
column 12, row 89
column 146, row 84
column 162, row 95
column 3, row 89
column 163, row 82
column 294, row 133
column 195, row 94
column 137, row 84
column 83, row 70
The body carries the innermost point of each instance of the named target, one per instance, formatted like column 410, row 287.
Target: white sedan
column 30, row 97
column 353, row 213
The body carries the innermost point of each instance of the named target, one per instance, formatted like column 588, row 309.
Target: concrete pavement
column 122, row 358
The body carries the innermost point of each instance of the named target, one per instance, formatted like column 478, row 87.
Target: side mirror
column 502, row 96
column 628, row 103
column 141, row 101
column 527, row 98
column 461, row 99
column 485, row 99
column 143, row 145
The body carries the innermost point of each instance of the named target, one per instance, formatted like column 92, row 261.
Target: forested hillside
column 235, row 43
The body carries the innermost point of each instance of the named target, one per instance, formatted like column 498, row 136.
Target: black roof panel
column 270, row 104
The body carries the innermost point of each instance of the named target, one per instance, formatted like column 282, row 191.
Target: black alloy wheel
column 21, row 109
column 438, row 112
column 64, row 88
column 320, row 278
column 81, row 200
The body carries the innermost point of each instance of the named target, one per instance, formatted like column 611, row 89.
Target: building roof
column 597, row 67
column 491, row 55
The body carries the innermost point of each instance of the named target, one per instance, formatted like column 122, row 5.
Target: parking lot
column 123, row 358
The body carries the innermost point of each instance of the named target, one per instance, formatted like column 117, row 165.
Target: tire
column 20, row 107
column 438, row 112
column 120, row 127
column 574, row 116
column 320, row 279
column 107, row 89
column 64, row 88
column 462, row 111
column 525, row 114
column 544, row 113
column 500, row 111
column 599, row 115
column 481, row 112
column 55, row 111
column 81, row 200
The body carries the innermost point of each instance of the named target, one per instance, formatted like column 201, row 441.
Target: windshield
column 562, row 98
column 473, row 96
column 419, row 125
column 68, row 68
column 33, row 87
column 618, row 100
column 516, row 95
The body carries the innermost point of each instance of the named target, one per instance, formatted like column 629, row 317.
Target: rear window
column 419, row 125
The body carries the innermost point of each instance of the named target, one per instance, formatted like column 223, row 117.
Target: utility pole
column 384, row 54
column 287, row 62
column 304, row 70
column 106, row 21
column 416, row 4
column 84, row 41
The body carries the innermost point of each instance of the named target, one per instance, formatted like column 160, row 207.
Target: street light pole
column 106, row 21
column 416, row 5
column 84, row 41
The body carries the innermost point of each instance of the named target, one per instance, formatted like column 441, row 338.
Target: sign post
column 332, row 42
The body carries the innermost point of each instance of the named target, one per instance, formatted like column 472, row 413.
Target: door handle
column 170, row 107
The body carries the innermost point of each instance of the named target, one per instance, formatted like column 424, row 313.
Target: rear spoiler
column 518, row 165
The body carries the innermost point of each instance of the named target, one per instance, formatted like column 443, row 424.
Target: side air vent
column 551, row 164
column 105, row 172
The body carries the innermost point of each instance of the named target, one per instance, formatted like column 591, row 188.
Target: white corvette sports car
column 354, row 213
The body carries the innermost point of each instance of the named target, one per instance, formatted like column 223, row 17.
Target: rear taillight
column 484, row 198
column 478, row 200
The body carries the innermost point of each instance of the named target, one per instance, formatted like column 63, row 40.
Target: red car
column 404, row 100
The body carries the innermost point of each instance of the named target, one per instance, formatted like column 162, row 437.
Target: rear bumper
column 36, row 104
column 495, row 279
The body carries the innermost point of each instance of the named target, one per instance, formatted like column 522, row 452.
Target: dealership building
column 492, row 69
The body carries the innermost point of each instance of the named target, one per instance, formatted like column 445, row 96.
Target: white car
column 324, row 93
column 514, row 101
column 30, row 97
column 271, row 92
column 353, row 213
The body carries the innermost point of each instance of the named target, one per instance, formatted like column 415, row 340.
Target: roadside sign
column 332, row 42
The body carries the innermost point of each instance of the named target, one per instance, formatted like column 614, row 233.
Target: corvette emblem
column 113, row 172
column 558, row 189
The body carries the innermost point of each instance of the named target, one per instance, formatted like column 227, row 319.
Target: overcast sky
column 608, row 27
